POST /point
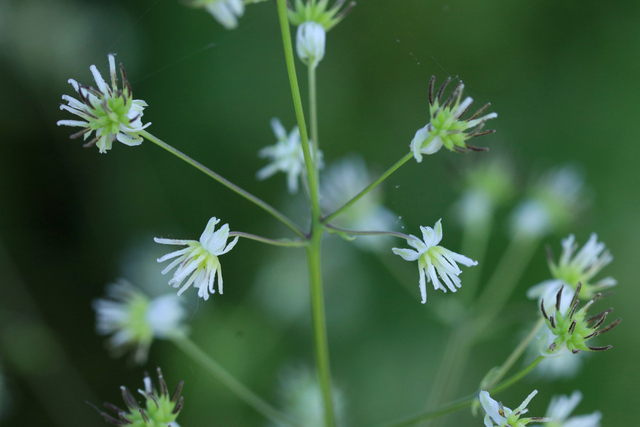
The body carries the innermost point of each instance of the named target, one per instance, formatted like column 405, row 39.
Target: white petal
column 406, row 254
column 491, row 407
column 278, row 129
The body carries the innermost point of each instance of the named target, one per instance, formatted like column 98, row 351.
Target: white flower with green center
column 446, row 127
column 574, row 268
column 110, row 112
column 134, row 320
column 286, row 156
column 226, row 12
column 553, row 203
column 434, row 261
column 199, row 260
column 561, row 408
column 160, row 409
column 501, row 416
column 318, row 11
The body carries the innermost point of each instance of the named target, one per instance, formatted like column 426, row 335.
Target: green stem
column 320, row 328
column 313, row 110
column 333, row 228
column 274, row 242
column 517, row 352
column 465, row 401
column 370, row 187
column 264, row 205
column 297, row 104
column 516, row 377
column 240, row 390
column 317, row 228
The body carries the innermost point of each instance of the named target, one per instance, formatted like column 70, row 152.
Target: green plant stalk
column 321, row 344
column 264, row 205
column 491, row 301
column 239, row 389
column 370, row 187
column 280, row 242
column 297, row 104
column 517, row 352
column 465, row 401
column 317, row 228
column 313, row 112
column 332, row 228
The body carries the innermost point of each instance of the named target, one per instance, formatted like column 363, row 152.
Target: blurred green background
column 563, row 77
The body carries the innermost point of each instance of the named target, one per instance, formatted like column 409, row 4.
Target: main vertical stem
column 319, row 325
column 317, row 227
column 313, row 111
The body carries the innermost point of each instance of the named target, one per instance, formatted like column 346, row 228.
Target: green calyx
column 159, row 409
column 318, row 11
column 573, row 329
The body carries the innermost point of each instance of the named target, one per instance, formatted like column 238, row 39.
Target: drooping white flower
column 199, row 260
column 434, row 261
column 446, row 128
column 501, row 416
column 343, row 180
column 574, row 268
column 310, row 43
column 110, row 112
column 554, row 201
column 134, row 320
column 561, row 408
column 286, row 156
column 226, row 12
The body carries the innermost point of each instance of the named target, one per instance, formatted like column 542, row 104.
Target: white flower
column 434, row 261
column 286, row 156
column 226, row 12
column 446, row 128
column 111, row 112
column 343, row 180
column 310, row 43
column 199, row 260
column 574, row 268
column 499, row 415
column 134, row 320
column 562, row 406
column 553, row 203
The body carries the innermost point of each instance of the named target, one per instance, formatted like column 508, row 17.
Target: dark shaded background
column 563, row 77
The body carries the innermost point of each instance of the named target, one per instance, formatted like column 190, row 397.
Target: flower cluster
column 501, row 416
column 160, row 409
column 446, row 128
column 572, row 329
column 434, row 260
column 134, row 320
column 199, row 260
column 110, row 112
column 286, row 156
